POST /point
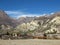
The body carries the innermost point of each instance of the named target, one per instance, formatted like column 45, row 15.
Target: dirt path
column 30, row 42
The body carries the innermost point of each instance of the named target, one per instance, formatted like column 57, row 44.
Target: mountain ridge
column 45, row 22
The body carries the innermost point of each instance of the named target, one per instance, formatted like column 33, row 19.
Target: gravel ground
column 30, row 42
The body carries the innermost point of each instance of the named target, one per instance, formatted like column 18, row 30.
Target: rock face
column 6, row 20
column 49, row 22
column 25, row 19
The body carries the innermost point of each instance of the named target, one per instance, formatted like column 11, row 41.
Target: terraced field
column 30, row 42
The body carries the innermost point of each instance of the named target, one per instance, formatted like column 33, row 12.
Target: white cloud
column 13, row 12
column 52, row 13
column 29, row 15
column 17, row 14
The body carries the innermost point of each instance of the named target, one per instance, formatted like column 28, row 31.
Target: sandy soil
column 30, row 42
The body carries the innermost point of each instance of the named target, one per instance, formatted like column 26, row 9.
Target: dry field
column 30, row 42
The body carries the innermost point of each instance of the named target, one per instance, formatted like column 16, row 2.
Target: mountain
column 49, row 22
column 6, row 20
column 25, row 19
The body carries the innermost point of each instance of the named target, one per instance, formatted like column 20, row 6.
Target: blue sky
column 17, row 8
